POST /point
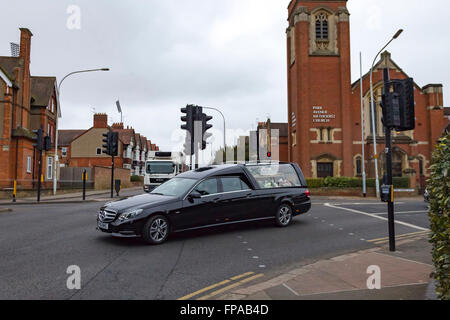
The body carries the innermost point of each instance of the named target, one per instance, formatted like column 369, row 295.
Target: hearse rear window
column 275, row 176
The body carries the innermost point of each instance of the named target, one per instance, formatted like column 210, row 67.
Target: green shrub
column 439, row 188
column 350, row 182
column 314, row 182
column 137, row 179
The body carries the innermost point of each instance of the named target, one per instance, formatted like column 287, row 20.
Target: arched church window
column 322, row 26
column 359, row 166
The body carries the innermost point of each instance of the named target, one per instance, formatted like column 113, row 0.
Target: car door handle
column 216, row 200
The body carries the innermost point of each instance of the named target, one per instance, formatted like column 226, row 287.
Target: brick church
column 324, row 107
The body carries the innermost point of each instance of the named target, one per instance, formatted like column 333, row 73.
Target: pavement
column 74, row 197
column 404, row 275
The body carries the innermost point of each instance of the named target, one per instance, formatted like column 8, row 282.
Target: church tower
column 319, row 87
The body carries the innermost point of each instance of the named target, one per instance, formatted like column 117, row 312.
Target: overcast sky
column 228, row 54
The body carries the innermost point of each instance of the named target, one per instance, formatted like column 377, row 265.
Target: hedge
column 348, row 182
column 136, row 178
column 439, row 188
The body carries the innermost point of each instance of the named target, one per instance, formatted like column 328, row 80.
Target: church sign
column 321, row 115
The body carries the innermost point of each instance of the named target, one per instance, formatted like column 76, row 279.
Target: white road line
column 290, row 289
column 421, row 211
column 363, row 203
column 375, row 216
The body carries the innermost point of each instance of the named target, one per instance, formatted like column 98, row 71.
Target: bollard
column 84, row 184
column 14, row 191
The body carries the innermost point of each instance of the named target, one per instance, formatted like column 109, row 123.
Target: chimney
column 100, row 120
column 25, row 52
column 25, row 46
column 118, row 125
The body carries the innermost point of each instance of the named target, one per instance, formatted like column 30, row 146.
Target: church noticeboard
column 321, row 115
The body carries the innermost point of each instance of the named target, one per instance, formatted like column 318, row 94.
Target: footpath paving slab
column 92, row 195
column 346, row 276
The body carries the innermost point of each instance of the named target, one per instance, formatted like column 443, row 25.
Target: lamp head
column 399, row 32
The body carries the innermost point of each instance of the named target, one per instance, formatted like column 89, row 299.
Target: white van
column 162, row 166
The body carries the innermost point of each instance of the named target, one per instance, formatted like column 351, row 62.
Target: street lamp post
column 56, row 160
column 224, row 128
column 372, row 111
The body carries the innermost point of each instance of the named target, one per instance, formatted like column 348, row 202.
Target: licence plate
column 102, row 225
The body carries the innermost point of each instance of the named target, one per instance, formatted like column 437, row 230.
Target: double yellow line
column 400, row 237
column 246, row 277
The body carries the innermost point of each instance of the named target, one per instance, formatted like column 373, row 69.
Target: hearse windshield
column 175, row 187
column 275, row 176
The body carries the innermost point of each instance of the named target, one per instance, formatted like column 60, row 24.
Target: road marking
column 377, row 217
column 215, row 285
column 396, row 212
column 290, row 289
column 362, row 203
column 400, row 236
column 231, row 286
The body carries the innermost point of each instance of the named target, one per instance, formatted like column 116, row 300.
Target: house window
column 64, row 152
column 49, row 168
column 29, row 164
column 99, row 151
column 322, row 26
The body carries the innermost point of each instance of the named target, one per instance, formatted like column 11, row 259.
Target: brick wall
column 102, row 177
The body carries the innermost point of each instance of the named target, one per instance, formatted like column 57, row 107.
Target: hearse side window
column 207, row 187
column 275, row 176
column 230, row 184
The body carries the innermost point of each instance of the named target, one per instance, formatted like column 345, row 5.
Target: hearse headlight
column 130, row 214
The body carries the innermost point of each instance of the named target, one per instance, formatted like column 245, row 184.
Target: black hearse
column 210, row 196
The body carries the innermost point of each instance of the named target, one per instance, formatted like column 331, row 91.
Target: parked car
column 210, row 196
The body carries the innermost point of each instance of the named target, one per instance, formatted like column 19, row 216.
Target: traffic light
column 47, row 143
column 107, row 143
column 114, row 144
column 188, row 119
column 398, row 105
column 39, row 139
column 205, row 127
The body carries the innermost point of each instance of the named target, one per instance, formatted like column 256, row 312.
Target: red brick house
column 324, row 108
column 27, row 103
column 83, row 148
column 86, row 149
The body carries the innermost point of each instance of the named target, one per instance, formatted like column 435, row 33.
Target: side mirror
column 194, row 195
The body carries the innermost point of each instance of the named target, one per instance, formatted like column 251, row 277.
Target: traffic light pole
column 112, row 176
column 39, row 177
column 390, row 202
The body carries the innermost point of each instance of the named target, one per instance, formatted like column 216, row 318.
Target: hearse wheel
column 284, row 215
column 156, row 230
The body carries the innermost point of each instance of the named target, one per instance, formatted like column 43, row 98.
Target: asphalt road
column 39, row 242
